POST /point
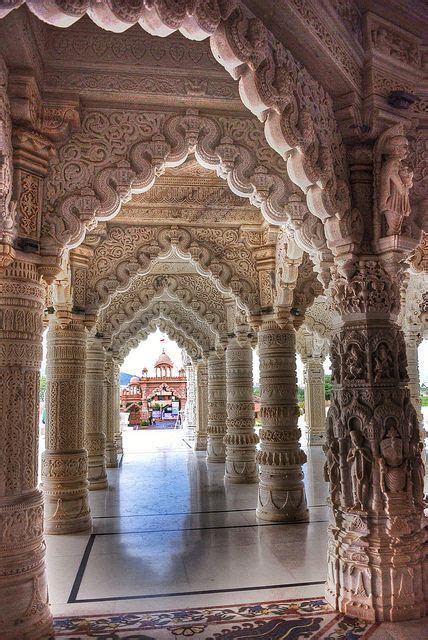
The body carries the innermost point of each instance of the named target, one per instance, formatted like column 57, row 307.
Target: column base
column 97, row 474
column 270, row 512
column 241, row 472
column 25, row 612
column 215, row 448
column 65, row 490
column 190, row 433
column 241, row 466
column 200, row 443
column 111, row 455
column 281, row 496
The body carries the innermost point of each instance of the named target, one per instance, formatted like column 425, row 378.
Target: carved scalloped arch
column 190, row 347
column 125, row 307
column 122, row 320
column 191, row 326
column 297, row 112
column 229, row 277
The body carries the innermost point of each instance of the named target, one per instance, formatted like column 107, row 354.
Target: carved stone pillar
column 413, row 341
column 110, row 397
column 116, row 391
column 314, row 399
column 374, row 466
column 200, row 443
column 281, row 489
column 240, row 439
column 95, row 415
column 190, row 402
column 217, row 413
column 65, row 460
column 23, row 588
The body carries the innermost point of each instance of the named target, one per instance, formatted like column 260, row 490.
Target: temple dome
column 134, row 380
column 164, row 361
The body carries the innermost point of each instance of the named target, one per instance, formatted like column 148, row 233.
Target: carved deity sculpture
column 417, row 473
column 354, row 366
column 393, row 477
column 360, row 461
column 395, row 182
column 332, row 469
column 383, row 363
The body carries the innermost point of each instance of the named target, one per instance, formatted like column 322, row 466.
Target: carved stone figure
column 383, row 363
column 392, row 466
column 360, row 461
column 417, row 473
column 354, row 363
column 332, row 469
column 395, row 182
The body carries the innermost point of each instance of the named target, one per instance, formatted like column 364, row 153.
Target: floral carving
column 369, row 289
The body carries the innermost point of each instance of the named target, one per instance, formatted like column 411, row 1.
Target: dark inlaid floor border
column 228, row 526
column 186, row 513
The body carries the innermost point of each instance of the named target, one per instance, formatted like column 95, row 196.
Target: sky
column 147, row 352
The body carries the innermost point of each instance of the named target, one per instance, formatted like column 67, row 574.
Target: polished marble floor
column 169, row 534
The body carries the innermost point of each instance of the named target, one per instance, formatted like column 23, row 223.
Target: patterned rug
column 290, row 619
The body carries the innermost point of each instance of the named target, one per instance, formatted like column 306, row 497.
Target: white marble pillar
column 413, row 340
column 281, row 490
column 377, row 566
column 110, row 397
column 95, row 437
column 24, row 602
column 217, row 413
column 240, row 439
column 314, row 399
column 200, row 442
column 117, row 426
column 190, row 402
column 65, row 460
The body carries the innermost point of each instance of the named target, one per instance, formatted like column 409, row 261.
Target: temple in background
column 160, row 397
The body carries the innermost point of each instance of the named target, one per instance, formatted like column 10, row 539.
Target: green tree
column 256, row 391
column 327, row 386
column 42, row 387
